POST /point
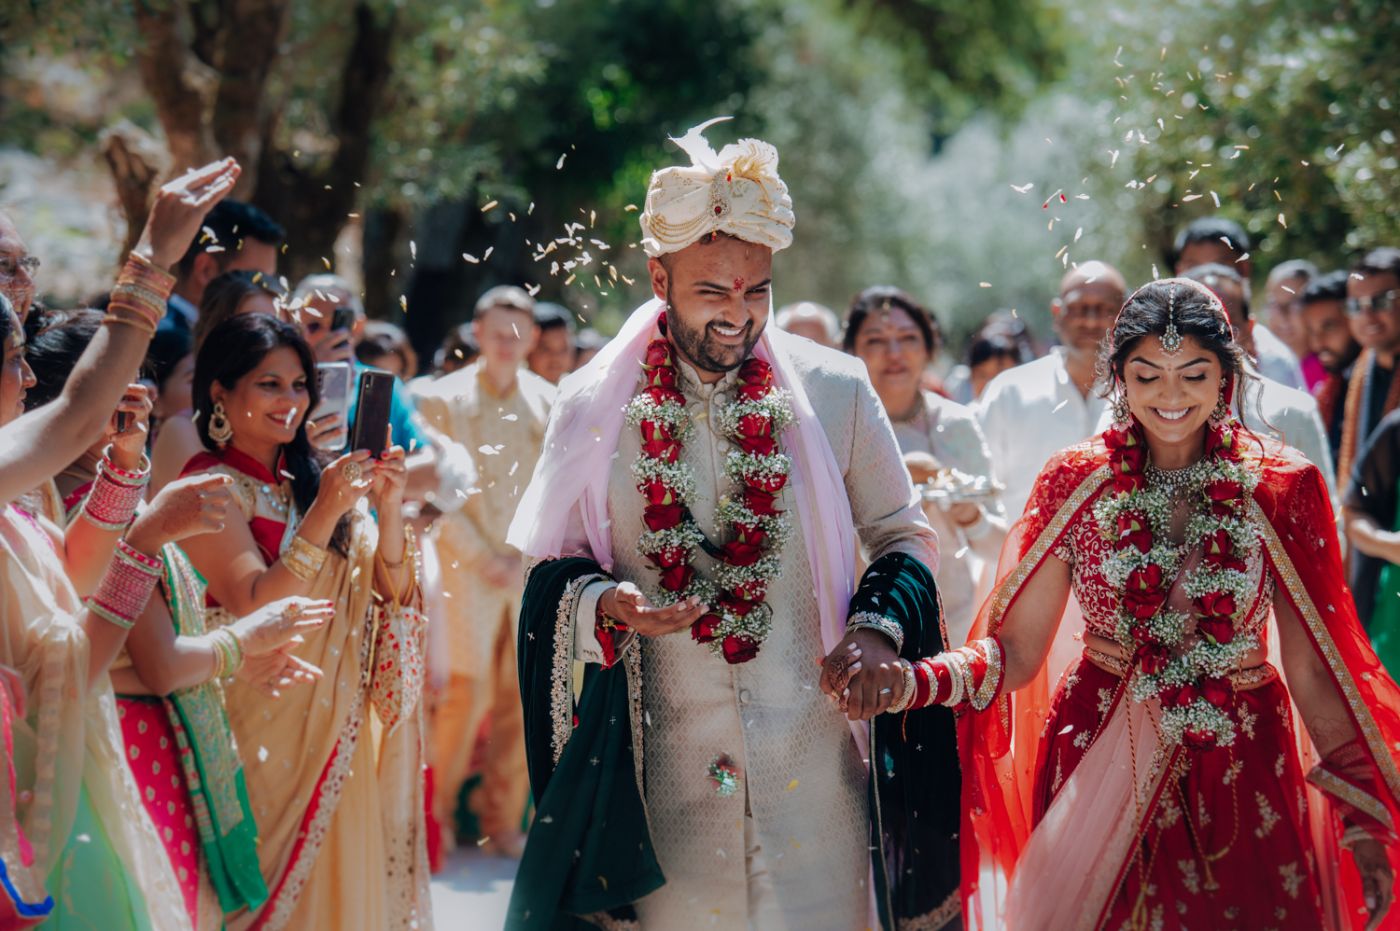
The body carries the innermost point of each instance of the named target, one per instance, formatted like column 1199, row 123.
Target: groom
column 693, row 521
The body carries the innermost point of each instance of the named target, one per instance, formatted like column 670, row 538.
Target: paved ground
column 472, row 892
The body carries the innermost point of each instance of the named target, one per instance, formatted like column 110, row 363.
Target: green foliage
column 1284, row 109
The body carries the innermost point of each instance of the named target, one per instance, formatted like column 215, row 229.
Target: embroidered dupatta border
column 1322, row 639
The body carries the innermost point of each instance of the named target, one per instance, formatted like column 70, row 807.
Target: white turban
column 736, row 191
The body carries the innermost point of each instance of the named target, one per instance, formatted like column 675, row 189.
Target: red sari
column 1077, row 814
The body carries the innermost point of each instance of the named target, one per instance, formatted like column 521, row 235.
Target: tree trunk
column 179, row 85
column 313, row 200
column 136, row 161
column 248, row 48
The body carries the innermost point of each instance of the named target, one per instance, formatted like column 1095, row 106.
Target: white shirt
column 1276, row 360
column 1028, row 414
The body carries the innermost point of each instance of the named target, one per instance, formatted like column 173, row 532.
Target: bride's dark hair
column 1194, row 310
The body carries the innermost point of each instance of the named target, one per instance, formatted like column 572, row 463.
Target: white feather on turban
column 735, row 191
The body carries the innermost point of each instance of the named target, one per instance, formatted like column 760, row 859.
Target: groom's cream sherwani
column 802, row 781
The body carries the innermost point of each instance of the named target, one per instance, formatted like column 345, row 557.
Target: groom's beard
column 702, row 349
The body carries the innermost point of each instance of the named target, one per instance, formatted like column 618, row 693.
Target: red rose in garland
column 749, row 516
column 739, row 649
column 1218, row 629
column 1133, row 530
column 704, row 630
column 662, row 516
column 758, row 445
column 756, row 372
column 676, row 578
column 760, row 502
column 751, row 425
column 659, row 354
column 1219, row 552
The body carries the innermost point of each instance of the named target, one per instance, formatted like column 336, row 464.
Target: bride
column 1224, row 730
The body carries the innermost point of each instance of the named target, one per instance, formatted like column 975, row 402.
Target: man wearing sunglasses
column 17, row 268
column 1373, row 309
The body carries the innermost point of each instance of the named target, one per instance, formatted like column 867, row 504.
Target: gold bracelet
column 303, row 558
column 142, row 324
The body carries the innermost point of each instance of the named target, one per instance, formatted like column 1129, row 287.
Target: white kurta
column 802, row 779
column 1028, row 414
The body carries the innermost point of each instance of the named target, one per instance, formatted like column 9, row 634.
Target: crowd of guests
column 247, row 668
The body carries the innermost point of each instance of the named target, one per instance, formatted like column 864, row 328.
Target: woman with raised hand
column 78, row 830
column 167, row 681
column 336, row 793
column 1224, row 730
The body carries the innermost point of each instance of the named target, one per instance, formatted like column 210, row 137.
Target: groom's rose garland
column 1188, row 673
column 739, row 619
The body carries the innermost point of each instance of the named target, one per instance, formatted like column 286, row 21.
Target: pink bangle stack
column 125, row 589
column 115, row 495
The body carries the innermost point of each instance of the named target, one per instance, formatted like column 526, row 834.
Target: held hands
column 129, row 443
column 627, row 604
column 185, row 508
column 1377, row 879
column 862, row 674
column 180, row 208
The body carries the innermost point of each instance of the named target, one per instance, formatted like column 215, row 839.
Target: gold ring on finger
column 352, row 472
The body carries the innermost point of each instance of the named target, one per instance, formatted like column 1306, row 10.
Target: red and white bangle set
column 126, row 587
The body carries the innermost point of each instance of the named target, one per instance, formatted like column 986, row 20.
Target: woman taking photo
column 337, row 796
column 1172, row 786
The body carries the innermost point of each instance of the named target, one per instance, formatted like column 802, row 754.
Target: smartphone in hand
column 371, row 428
column 337, row 382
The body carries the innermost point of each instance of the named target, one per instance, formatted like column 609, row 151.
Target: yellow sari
column 337, row 794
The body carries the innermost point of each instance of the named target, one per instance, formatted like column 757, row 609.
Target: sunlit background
column 967, row 151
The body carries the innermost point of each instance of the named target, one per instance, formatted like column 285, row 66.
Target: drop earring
column 220, row 430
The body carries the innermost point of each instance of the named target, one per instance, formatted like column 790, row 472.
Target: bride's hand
column 1377, row 879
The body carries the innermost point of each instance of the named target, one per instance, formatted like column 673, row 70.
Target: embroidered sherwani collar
column 692, row 387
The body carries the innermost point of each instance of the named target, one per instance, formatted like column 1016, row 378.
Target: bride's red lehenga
column 1078, row 815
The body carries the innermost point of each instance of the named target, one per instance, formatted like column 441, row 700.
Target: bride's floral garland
column 739, row 619
column 1188, row 673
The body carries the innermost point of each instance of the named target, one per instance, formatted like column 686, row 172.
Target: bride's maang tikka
column 1171, row 339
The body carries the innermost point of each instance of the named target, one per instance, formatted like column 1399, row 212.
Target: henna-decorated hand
column 862, row 674
column 179, row 210
column 274, row 625
column 185, row 508
column 129, row 443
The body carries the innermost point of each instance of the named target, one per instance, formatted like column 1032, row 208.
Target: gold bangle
column 303, row 558
column 142, row 324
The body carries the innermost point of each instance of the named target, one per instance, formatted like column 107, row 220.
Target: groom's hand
column 862, row 674
column 627, row 604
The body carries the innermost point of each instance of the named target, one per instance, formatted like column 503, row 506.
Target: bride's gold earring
column 220, row 430
column 1121, row 413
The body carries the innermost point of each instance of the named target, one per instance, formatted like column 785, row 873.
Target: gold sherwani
column 803, row 781
column 503, row 434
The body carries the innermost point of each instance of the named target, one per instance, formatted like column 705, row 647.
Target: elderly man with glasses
column 17, row 268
